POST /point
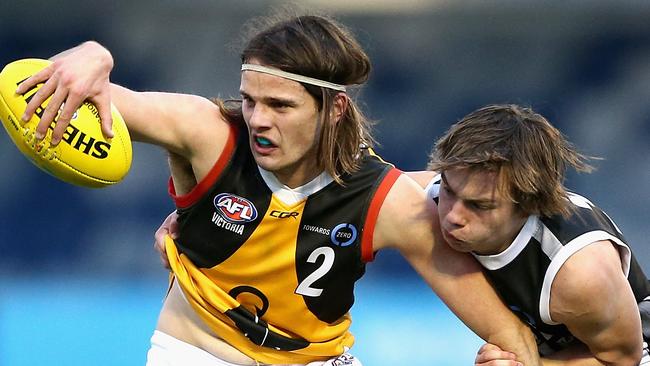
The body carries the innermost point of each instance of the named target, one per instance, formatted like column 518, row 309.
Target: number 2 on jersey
column 305, row 287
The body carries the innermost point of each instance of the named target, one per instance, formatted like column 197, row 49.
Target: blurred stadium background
column 79, row 281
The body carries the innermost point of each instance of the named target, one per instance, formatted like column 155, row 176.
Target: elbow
column 631, row 358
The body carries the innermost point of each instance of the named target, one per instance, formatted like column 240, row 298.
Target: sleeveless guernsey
column 523, row 273
column 276, row 280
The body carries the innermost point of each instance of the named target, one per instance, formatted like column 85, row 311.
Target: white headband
column 292, row 76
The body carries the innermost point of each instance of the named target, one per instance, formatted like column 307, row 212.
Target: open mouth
column 263, row 142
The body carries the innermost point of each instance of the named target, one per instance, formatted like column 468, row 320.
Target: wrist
column 100, row 53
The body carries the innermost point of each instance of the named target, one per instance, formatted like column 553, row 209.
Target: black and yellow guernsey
column 276, row 280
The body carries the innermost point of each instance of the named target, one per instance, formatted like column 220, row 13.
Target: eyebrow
column 271, row 100
column 482, row 201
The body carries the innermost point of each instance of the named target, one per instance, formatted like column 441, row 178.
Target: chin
column 265, row 162
column 459, row 247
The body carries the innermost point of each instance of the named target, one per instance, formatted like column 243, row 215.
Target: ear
column 340, row 106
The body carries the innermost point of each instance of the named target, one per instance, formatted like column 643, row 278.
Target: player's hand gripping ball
column 84, row 156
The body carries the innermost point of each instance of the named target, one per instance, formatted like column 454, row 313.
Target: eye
column 247, row 103
column 481, row 206
column 279, row 105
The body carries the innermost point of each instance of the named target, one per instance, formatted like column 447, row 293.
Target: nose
column 260, row 117
column 456, row 215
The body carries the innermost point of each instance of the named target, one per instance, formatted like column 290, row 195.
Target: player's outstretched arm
column 409, row 223
column 591, row 296
column 188, row 125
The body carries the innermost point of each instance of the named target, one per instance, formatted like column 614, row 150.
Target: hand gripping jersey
column 523, row 273
column 276, row 279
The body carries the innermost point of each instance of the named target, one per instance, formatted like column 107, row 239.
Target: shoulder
column 422, row 178
column 588, row 276
column 204, row 112
column 207, row 133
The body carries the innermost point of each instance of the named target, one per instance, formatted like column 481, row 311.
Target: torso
column 301, row 260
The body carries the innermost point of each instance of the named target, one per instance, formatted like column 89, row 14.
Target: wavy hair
column 318, row 47
column 530, row 156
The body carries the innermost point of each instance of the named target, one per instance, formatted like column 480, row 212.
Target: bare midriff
column 178, row 319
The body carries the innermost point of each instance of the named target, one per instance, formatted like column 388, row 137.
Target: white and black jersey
column 524, row 272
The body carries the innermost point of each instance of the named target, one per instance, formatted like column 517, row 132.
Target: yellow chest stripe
column 266, row 263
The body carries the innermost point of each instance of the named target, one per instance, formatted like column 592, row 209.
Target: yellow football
column 84, row 156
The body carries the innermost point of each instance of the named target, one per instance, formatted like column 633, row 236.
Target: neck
column 298, row 178
column 516, row 230
column 296, row 182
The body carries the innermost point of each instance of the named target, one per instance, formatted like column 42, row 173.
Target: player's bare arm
column 187, row 125
column 448, row 271
column 611, row 328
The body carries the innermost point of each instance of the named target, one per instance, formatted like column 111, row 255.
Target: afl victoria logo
column 235, row 209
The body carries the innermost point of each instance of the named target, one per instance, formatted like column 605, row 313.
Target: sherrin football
column 84, row 156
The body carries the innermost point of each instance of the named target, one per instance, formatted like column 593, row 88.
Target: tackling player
column 559, row 262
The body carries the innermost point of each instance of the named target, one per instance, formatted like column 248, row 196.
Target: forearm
column 494, row 322
column 479, row 307
column 519, row 341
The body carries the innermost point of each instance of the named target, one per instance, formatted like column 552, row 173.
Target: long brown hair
column 529, row 154
column 318, row 47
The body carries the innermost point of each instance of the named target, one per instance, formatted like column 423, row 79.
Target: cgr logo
column 235, row 209
column 283, row 214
